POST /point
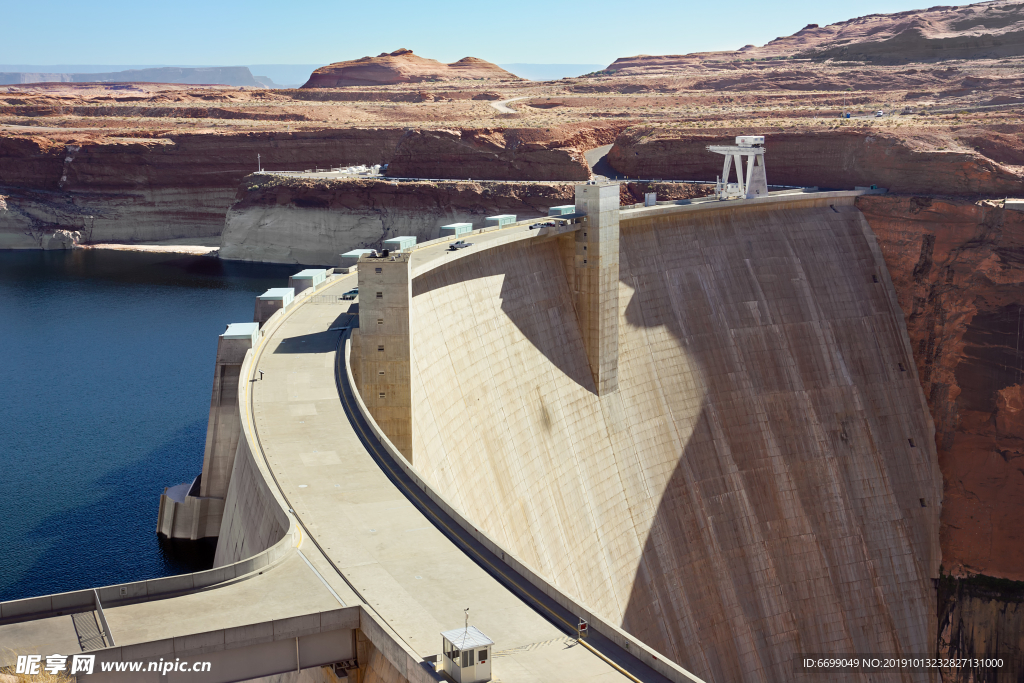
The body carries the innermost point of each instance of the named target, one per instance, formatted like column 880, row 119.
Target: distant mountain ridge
column 984, row 30
column 217, row 75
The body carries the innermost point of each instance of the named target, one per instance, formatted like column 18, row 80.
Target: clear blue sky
column 188, row 32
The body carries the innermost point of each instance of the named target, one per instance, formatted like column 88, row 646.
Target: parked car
column 460, row 244
column 879, row 114
column 350, row 294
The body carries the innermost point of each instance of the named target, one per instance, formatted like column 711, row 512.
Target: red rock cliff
column 958, row 269
column 137, row 189
column 489, row 154
column 932, row 163
column 402, row 66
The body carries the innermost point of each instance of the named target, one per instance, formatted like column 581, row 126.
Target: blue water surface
column 106, row 371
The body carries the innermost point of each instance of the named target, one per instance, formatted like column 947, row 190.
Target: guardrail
column 73, row 602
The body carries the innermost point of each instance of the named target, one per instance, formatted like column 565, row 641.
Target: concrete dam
column 697, row 425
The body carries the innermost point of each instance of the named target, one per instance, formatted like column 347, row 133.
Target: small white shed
column 396, row 244
column 501, row 219
column 466, row 654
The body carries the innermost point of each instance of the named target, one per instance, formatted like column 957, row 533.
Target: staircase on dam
column 696, row 425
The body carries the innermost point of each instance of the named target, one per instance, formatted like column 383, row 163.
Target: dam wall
column 763, row 482
column 252, row 520
column 255, row 516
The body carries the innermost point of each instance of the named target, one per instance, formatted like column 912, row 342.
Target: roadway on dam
column 398, row 552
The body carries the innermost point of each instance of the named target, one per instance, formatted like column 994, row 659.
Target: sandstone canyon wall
column 763, row 483
column 136, row 189
column 286, row 220
column 926, row 163
column 958, row 269
column 555, row 153
column 123, row 189
column 311, row 221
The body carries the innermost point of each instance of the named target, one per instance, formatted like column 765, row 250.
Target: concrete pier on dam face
column 764, row 482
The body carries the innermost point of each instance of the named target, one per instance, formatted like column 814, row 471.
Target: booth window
column 467, row 658
column 482, row 655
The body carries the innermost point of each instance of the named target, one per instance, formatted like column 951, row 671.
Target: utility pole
column 259, row 164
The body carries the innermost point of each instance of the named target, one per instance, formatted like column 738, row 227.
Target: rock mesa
column 402, row 66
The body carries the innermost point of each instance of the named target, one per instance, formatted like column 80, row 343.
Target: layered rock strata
column 402, row 66
column 764, row 482
column 958, row 269
column 936, row 163
column 122, row 189
column 143, row 189
column 498, row 154
column 285, row 220
column 982, row 30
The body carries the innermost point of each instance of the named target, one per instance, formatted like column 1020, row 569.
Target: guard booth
column 466, row 654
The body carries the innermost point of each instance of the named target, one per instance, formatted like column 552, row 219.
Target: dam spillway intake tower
column 750, row 184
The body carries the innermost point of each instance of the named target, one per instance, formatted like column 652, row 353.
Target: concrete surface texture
column 199, row 513
column 390, row 553
column 595, row 281
column 385, row 293
column 764, row 480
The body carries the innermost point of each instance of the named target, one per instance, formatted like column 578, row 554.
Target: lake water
column 106, row 371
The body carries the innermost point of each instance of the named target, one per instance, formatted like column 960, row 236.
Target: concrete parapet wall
column 57, row 604
column 243, row 652
column 253, row 519
column 764, row 449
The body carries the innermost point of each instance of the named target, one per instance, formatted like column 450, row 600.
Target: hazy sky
column 189, row 32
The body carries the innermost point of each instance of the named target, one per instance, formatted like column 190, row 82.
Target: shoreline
column 191, row 249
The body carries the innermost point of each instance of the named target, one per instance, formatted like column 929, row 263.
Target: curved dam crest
column 698, row 421
column 764, row 483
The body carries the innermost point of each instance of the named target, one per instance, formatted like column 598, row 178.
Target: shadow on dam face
column 792, row 522
column 542, row 313
column 750, row 492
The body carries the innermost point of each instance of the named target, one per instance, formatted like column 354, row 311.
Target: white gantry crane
column 753, row 183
